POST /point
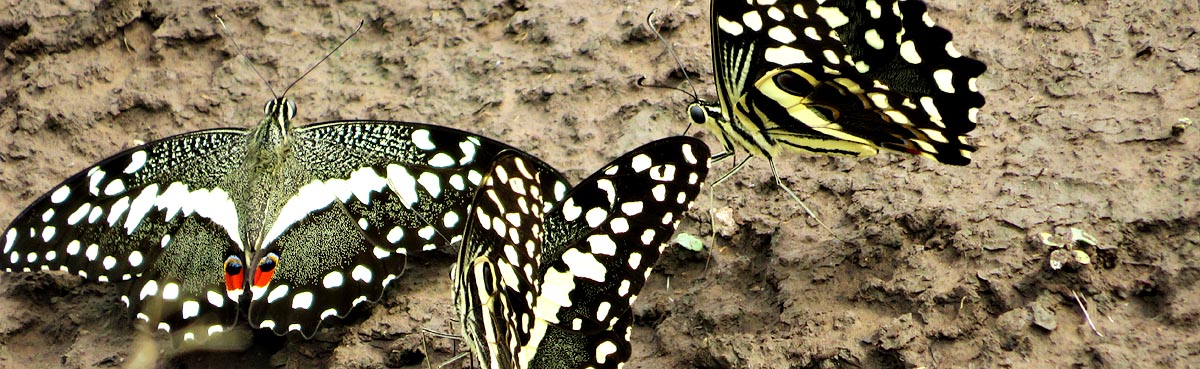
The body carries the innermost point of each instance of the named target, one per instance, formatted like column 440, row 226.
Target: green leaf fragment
column 689, row 242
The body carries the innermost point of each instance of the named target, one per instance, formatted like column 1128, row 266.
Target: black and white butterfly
column 838, row 77
column 546, row 275
column 284, row 225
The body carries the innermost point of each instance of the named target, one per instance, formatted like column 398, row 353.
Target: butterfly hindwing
column 549, row 285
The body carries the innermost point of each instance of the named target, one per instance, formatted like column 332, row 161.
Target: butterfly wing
column 601, row 243
column 153, row 214
column 550, row 286
column 496, row 264
column 598, row 249
column 843, row 78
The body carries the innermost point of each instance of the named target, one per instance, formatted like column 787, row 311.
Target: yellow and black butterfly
column 847, row 78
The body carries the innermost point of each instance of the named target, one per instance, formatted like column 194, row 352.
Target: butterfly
column 282, row 226
column 546, row 274
column 845, row 78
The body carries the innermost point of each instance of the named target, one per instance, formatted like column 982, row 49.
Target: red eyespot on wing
column 234, row 278
column 265, row 270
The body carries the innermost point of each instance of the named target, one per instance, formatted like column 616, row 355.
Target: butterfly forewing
column 550, row 286
column 496, row 264
column 407, row 184
column 841, row 78
column 610, row 230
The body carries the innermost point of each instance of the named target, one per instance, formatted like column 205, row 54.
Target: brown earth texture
column 1087, row 126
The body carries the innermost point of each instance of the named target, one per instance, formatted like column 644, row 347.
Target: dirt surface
column 940, row 266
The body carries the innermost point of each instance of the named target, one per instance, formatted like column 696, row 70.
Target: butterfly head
column 704, row 113
column 281, row 110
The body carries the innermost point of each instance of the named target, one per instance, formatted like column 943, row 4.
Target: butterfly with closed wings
column 310, row 220
column 837, row 77
column 545, row 277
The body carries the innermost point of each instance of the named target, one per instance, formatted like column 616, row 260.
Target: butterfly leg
column 712, row 215
column 779, row 182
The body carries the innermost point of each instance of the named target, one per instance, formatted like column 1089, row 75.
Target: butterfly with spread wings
column 279, row 225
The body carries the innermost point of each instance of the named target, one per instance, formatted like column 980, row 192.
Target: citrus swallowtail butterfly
column 284, row 225
column 838, row 77
column 539, row 285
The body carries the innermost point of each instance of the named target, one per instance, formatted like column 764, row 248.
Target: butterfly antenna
column 641, row 82
column 671, row 50
column 327, row 55
column 243, row 54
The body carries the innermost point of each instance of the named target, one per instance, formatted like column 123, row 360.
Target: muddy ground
column 941, row 267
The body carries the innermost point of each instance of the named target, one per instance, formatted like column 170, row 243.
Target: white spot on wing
column 595, row 217
column 75, row 217
column 215, row 299
column 732, row 28
column 944, row 79
column 277, row 293
column 641, row 162
column 361, row 273
column 584, row 265
column 60, row 195
column 332, row 280
column 908, row 50
column 784, row 55
column 781, row 34
column 833, row 16
column 118, row 209
column 602, row 244
column 170, row 291
column 395, row 234
column 659, row 192
column 635, row 260
column 92, row 252
column 136, row 161
column 570, row 211
column 601, row 315
column 431, row 183
column 140, row 207
column 752, row 20
column 48, row 233
column 605, row 349
column 420, row 138
column 403, row 184
column 116, row 187
column 872, row 38
column 190, row 309
column 302, row 300
column 135, row 259
column 441, row 160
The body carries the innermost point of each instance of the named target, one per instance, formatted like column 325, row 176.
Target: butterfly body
column 279, row 225
column 546, row 276
column 845, row 78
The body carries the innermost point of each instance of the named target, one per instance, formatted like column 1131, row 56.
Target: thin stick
column 1086, row 316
